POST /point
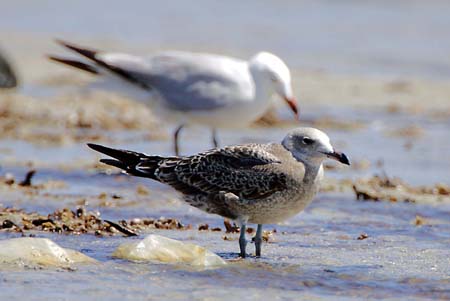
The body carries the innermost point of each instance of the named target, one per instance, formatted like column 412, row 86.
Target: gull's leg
column 214, row 138
column 258, row 240
column 242, row 241
column 175, row 139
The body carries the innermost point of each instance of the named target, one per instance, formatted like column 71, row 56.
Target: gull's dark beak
column 292, row 103
column 341, row 157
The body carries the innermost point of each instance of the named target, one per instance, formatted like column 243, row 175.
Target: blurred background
column 374, row 75
column 380, row 71
column 383, row 38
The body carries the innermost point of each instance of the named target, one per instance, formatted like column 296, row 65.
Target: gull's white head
column 273, row 72
column 312, row 145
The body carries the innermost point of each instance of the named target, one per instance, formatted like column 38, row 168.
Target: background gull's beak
column 292, row 103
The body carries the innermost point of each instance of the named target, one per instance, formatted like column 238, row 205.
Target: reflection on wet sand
column 377, row 230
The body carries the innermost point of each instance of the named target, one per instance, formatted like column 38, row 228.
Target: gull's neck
column 263, row 87
column 263, row 90
column 313, row 167
column 313, row 172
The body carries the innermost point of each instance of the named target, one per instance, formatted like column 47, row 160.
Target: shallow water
column 316, row 255
column 419, row 159
column 319, row 256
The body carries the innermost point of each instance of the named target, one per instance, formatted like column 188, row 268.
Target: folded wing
column 242, row 170
column 185, row 81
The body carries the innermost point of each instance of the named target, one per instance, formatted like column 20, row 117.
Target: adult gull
column 192, row 88
column 251, row 183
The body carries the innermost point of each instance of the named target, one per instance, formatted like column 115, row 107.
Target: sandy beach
column 378, row 83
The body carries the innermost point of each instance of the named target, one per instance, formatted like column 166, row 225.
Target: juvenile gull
column 192, row 88
column 251, row 183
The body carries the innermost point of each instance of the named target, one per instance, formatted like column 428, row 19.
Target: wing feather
column 186, row 81
column 242, row 170
column 195, row 81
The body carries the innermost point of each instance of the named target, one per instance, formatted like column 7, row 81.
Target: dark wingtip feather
column 126, row 167
column 115, row 153
column 89, row 53
column 74, row 63
column 60, row 41
column 127, row 157
column 92, row 55
column 97, row 147
column 114, row 163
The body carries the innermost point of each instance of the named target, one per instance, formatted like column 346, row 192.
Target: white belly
column 233, row 116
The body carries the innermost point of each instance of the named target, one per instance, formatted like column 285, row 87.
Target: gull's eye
column 307, row 140
column 273, row 78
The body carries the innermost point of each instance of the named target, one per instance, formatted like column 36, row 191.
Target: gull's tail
column 129, row 161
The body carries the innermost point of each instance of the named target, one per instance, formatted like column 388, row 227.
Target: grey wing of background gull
column 242, row 170
column 198, row 82
column 7, row 77
column 185, row 81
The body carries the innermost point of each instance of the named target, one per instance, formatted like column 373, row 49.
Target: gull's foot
column 242, row 254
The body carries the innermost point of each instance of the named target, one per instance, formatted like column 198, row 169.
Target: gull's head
column 312, row 145
column 274, row 73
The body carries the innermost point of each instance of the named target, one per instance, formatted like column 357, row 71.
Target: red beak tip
column 293, row 105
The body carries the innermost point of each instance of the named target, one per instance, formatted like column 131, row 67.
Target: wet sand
column 384, row 245
column 338, row 247
column 377, row 230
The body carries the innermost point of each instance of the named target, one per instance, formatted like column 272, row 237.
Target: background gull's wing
column 132, row 69
column 185, row 81
column 192, row 81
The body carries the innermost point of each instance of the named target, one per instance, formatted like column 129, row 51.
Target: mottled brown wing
column 243, row 170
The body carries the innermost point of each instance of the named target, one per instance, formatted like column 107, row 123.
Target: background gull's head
column 274, row 73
